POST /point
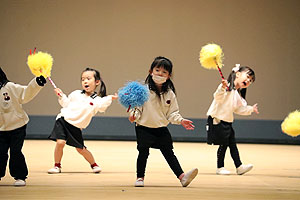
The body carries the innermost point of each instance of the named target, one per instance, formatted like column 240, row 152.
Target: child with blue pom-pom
column 152, row 118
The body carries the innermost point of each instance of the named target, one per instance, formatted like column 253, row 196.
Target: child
column 13, row 122
column 152, row 120
column 76, row 113
column 220, row 116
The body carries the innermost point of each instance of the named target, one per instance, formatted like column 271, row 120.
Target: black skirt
column 65, row 131
column 218, row 134
column 157, row 138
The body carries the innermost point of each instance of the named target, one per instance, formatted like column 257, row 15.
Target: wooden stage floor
column 276, row 173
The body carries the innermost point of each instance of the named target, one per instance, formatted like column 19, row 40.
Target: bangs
column 165, row 65
column 251, row 73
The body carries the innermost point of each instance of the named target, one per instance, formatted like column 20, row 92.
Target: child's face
column 160, row 71
column 242, row 80
column 88, row 82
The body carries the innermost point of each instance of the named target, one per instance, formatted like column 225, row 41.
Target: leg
column 4, row 146
column 86, row 154
column 172, row 161
column 185, row 178
column 234, row 152
column 17, row 164
column 142, row 161
column 221, row 155
column 58, row 152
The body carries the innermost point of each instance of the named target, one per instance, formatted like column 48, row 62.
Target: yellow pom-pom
column 291, row 124
column 209, row 55
column 40, row 64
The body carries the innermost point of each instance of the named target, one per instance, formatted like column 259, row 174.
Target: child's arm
column 247, row 110
column 63, row 100
column 220, row 93
column 105, row 102
column 174, row 116
column 26, row 93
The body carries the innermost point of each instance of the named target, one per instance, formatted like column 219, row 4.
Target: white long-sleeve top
column 12, row 114
column 226, row 103
column 158, row 112
column 78, row 108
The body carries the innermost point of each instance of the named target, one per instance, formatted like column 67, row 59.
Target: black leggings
column 159, row 138
column 234, row 152
column 167, row 153
column 13, row 141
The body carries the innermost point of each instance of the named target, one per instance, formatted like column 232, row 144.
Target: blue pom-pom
column 133, row 94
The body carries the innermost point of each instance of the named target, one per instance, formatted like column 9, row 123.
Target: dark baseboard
column 119, row 128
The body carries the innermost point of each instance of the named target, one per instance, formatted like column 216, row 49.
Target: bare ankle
column 181, row 176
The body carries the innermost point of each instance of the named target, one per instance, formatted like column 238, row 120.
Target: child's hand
column 224, row 83
column 255, row 108
column 58, row 92
column 187, row 124
column 131, row 118
column 114, row 97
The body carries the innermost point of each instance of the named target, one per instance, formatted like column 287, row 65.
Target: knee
column 60, row 143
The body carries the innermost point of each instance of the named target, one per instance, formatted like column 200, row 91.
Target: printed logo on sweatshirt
column 5, row 96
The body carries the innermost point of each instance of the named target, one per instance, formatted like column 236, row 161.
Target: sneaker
column 139, row 182
column 20, row 182
column 222, row 171
column 54, row 170
column 243, row 169
column 188, row 177
column 96, row 169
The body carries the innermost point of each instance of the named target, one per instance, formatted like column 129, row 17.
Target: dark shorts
column 218, row 134
column 65, row 131
column 153, row 137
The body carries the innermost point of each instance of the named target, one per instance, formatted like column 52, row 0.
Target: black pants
column 234, row 152
column 159, row 138
column 13, row 140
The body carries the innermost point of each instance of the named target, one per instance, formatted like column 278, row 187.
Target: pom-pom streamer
column 291, row 124
column 211, row 57
column 40, row 64
column 133, row 94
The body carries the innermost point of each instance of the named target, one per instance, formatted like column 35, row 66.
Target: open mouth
column 244, row 83
column 86, row 86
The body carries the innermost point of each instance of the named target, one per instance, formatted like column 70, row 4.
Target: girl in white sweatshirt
column 13, row 122
column 229, row 98
column 76, row 114
column 152, row 119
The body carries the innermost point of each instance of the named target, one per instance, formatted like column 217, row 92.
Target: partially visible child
column 152, row 118
column 220, row 116
column 13, row 122
column 76, row 114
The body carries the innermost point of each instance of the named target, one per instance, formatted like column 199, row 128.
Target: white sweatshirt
column 158, row 112
column 12, row 114
column 226, row 103
column 78, row 108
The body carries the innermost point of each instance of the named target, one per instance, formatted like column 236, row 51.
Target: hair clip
column 236, row 68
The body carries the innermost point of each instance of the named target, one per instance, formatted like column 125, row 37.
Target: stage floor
column 276, row 173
